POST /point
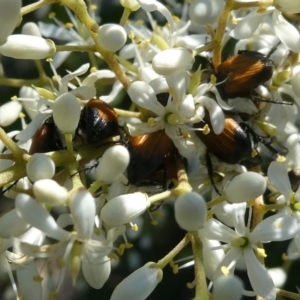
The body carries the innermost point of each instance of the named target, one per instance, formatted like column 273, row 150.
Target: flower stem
column 165, row 260
column 200, row 278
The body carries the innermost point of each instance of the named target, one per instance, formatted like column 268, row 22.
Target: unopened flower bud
column 10, row 15
column 31, row 28
column 112, row 164
column 228, row 288
column 190, row 211
column 204, row 12
column 40, row 166
column 66, row 112
column 50, row 192
column 112, row 37
column 9, row 112
column 245, row 187
column 172, row 60
column 123, row 209
column 139, row 284
column 21, row 46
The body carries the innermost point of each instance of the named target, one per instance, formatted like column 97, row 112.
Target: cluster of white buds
column 178, row 121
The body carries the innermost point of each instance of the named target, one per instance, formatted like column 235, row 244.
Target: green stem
column 16, row 151
column 80, row 9
column 220, row 32
column 36, row 5
column 200, row 277
column 125, row 16
column 78, row 48
column 165, row 260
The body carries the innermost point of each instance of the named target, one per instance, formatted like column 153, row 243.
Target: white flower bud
column 172, row 60
column 130, row 4
column 31, row 28
column 245, row 187
column 190, row 211
column 40, row 166
column 66, row 112
column 228, row 288
column 50, row 192
column 112, row 37
column 9, row 112
column 204, row 12
column 287, row 6
column 10, row 15
column 112, row 164
column 295, row 79
column 123, row 209
column 21, row 46
column 139, row 284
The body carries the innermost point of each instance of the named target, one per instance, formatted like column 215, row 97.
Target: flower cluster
column 188, row 105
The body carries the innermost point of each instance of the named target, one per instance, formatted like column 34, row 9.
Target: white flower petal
column 83, row 209
column 37, row 216
column 142, row 94
column 247, row 25
column 279, row 227
column 12, row 225
column 215, row 230
column 260, row 279
column 96, row 274
column 277, row 174
column 287, row 33
column 29, row 288
column 172, row 61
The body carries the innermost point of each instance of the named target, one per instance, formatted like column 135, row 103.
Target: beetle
column 234, row 145
column 98, row 121
column 239, row 75
column 46, row 139
column 152, row 159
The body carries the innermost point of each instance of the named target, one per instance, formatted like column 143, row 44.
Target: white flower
column 228, row 288
column 139, row 284
column 172, row 61
column 21, row 46
column 111, row 37
column 242, row 243
column 9, row 17
column 204, row 12
column 66, row 113
column 9, row 112
column 171, row 116
column 190, row 211
column 287, row 6
column 40, row 166
column 50, row 192
column 123, row 209
column 112, row 164
column 245, row 187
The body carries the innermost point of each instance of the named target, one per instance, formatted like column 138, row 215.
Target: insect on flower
column 46, row 139
column 241, row 74
column 98, row 121
column 152, row 159
column 234, row 145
